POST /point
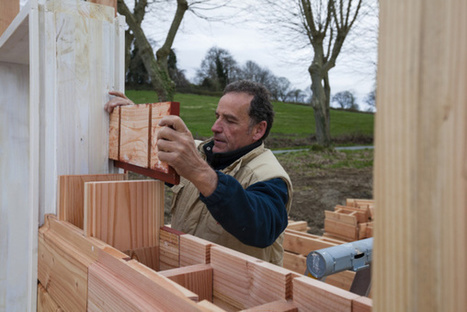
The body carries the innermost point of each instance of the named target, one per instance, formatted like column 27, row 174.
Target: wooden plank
column 114, row 134
column 134, row 134
column 275, row 306
column 363, row 212
column 244, row 282
column 149, row 256
column 304, row 243
column 124, row 214
column 197, row 278
column 45, row 303
column 341, row 215
column 194, row 250
column 362, row 304
column 309, row 292
column 119, row 285
column 64, row 256
column 169, row 246
column 71, row 195
column 340, row 229
column 420, row 159
column 301, row 226
column 209, row 306
column 8, row 11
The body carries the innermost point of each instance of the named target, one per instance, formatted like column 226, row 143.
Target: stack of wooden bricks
column 108, row 250
column 351, row 222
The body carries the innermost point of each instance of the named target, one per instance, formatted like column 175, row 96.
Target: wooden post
column 8, row 11
column 421, row 157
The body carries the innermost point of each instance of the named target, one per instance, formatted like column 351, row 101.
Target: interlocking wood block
column 71, row 195
column 194, row 250
column 169, row 248
column 301, row 226
column 124, row 214
column 197, row 278
column 119, row 285
column 310, row 294
column 304, row 243
column 342, row 230
column 342, row 215
column 133, row 131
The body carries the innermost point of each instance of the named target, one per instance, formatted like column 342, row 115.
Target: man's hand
column 119, row 99
column 176, row 146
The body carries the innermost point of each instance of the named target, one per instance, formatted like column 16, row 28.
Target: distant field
column 296, row 121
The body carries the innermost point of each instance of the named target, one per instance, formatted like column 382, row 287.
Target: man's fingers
column 118, row 93
column 119, row 99
column 174, row 122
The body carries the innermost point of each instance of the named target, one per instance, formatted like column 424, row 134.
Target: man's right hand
column 119, row 99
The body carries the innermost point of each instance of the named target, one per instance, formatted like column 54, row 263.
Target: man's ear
column 259, row 129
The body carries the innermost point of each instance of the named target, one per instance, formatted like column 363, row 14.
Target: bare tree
column 218, row 68
column 156, row 65
column 321, row 26
column 345, row 99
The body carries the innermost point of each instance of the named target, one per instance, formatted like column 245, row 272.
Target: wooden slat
column 364, row 212
column 209, row 306
column 340, row 229
column 194, row 250
column 149, row 256
column 8, row 11
column 362, row 304
column 157, row 113
column 134, row 135
column 301, row 226
column 275, row 306
column 197, row 278
column 118, row 285
column 114, row 134
column 313, row 294
column 71, row 195
column 124, row 214
column 420, row 166
column 342, row 216
column 64, row 256
column 45, row 303
column 169, row 246
column 244, row 282
column 304, row 243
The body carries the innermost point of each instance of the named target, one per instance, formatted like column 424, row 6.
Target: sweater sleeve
column 256, row 215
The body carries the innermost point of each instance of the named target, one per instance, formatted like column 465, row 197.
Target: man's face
column 232, row 126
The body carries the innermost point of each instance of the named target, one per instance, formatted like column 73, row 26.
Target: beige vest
column 190, row 215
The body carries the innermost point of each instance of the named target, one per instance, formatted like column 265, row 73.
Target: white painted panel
column 15, row 225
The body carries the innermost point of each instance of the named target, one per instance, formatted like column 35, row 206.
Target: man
column 232, row 190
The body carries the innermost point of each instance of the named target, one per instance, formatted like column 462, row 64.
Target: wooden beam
column 8, row 11
column 420, row 180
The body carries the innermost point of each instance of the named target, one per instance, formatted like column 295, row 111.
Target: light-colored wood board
column 275, row 306
column 197, row 278
column 340, row 229
column 244, row 281
column 71, row 195
column 308, row 292
column 209, row 306
column 158, row 110
column 194, row 250
column 114, row 134
column 301, row 226
column 362, row 304
column 342, row 216
column 124, row 214
column 420, row 159
column 169, row 246
column 117, row 285
column 304, row 243
column 8, row 11
column 134, row 134
column 14, row 40
column 45, row 303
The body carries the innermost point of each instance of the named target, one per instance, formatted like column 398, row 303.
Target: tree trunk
column 320, row 101
column 160, row 79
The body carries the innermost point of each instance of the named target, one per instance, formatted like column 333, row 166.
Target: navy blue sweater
column 256, row 215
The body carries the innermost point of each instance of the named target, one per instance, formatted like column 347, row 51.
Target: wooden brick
column 340, row 229
column 169, row 246
column 301, row 226
column 134, row 134
column 114, row 134
column 323, row 297
column 362, row 304
column 194, row 250
column 71, row 195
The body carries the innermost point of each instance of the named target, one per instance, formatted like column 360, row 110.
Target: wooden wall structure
column 58, row 60
column 421, row 157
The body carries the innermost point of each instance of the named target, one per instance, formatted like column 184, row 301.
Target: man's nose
column 216, row 127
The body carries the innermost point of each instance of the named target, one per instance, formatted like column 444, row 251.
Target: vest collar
column 220, row 161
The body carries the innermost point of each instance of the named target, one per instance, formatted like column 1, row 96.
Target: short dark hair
column 260, row 106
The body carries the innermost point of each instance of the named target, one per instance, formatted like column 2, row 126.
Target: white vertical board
column 19, row 147
column 58, row 60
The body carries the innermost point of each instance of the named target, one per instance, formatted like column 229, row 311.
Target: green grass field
column 296, row 121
